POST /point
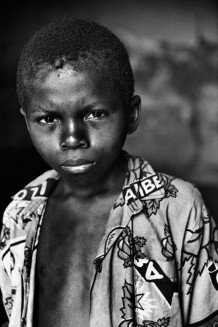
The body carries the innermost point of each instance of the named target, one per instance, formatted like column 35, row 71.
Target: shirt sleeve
column 199, row 267
column 5, row 282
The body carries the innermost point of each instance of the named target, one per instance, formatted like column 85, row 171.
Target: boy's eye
column 96, row 115
column 48, row 120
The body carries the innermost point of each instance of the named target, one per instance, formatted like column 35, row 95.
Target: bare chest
column 68, row 244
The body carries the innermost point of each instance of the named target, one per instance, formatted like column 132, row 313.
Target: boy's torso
column 68, row 244
column 146, row 239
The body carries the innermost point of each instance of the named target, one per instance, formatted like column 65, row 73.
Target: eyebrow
column 38, row 108
column 50, row 109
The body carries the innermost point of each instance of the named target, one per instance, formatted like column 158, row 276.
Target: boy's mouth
column 77, row 165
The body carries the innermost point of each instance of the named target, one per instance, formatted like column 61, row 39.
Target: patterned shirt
column 156, row 264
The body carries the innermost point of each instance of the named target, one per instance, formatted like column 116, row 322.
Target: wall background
column 173, row 48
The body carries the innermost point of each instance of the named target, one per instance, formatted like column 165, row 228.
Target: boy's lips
column 77, row 165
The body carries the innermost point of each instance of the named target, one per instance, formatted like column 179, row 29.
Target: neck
column 94, row 186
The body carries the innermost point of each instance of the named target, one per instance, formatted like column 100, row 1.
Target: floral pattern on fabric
column 152, row 206
column 130, row 248
column 168, row 247
column 5, row 236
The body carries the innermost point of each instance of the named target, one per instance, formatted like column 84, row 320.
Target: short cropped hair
column 80, row 44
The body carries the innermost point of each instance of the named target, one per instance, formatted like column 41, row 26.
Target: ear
column 134, row 114
column 22, row 111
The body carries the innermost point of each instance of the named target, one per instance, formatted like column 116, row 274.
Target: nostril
column 63, row 146
column 72, row 142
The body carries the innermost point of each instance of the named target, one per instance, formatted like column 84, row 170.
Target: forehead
column 66, row 82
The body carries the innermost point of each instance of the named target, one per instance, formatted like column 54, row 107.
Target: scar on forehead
column 61, row 68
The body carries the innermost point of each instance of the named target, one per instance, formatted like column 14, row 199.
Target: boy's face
column 77, row 122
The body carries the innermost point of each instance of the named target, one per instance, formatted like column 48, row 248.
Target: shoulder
column 176, row 190
column 40, row 187
column 180, row 189
column 177, row 200
column 183, row 204
column 42, row 178
column 174, row 187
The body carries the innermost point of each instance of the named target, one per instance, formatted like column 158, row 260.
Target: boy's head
column 80, row 44
column 75, row 86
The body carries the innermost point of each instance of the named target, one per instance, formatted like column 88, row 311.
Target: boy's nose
column 73, row 136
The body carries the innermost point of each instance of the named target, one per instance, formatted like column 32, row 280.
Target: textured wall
column 178, row 85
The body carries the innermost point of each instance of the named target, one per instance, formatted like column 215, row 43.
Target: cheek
column 112, row 139
column 118, row 134
column 37, row 139
column 46, row 151
column 41, row 142
column 42, row 147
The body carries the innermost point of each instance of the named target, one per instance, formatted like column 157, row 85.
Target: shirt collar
column 141, row 183
column 35, row 193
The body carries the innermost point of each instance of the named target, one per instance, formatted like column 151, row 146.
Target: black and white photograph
column 109, row 163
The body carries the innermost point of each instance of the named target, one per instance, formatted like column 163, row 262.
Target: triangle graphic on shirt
column 152, row 273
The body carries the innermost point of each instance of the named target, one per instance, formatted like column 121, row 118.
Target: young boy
column 150, row 237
